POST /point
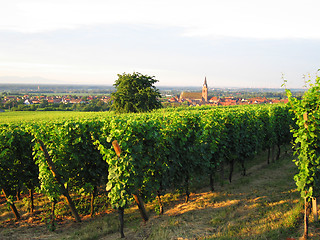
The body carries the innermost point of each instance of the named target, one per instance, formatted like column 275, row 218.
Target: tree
column 44, row 103
column 135, row 93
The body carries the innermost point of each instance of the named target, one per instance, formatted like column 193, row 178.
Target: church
column 196, row 97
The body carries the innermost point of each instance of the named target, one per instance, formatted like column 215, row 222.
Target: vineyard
column 134, row 158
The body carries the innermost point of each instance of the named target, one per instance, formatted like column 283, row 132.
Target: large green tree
column 135, row 93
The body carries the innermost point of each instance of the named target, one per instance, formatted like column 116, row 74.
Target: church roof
column 191, row 95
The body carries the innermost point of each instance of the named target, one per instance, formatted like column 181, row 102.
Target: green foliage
column 135, row 93
column 307, row 140
column 76, row 158
column 161, row 150
column 182, row 147
column 166, row 150
column 17, row 166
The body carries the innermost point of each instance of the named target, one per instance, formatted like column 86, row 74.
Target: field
column 262, row 205
column 29, row 116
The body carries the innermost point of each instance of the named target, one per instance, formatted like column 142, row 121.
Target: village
column 185, row 98
column 101, row 102
column 28, row 100
column 202, row 98
column 226, row 101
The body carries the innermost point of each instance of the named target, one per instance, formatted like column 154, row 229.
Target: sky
column 232, row 43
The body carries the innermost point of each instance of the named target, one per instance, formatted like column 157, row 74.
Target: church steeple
column 205, row 91
column 205, row 82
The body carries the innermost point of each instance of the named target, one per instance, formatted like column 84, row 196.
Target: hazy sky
column 247, row 43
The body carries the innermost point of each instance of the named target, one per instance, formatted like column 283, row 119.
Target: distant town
column 203, row 98
column 23, row 97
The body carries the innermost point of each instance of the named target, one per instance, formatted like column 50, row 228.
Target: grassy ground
column 34, row 116
column 262, row 205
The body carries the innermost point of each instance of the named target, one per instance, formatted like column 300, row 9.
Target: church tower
column 205, row 91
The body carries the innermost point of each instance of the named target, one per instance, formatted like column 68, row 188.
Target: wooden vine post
column 53, row 205
column 57, row 177
column 315, row 209
column 136, row 195
column 93, row 195
column 117, row 149
column 141, row 207
column 31, row 192
column 306, row 218
column 121, row 220
column 12, row 206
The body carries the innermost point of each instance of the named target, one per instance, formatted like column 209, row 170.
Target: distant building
column 196, row 97
column 214, row 100
column 205, row 91
column 202, row 98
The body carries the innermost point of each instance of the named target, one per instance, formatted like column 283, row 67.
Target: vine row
column 160, row 152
